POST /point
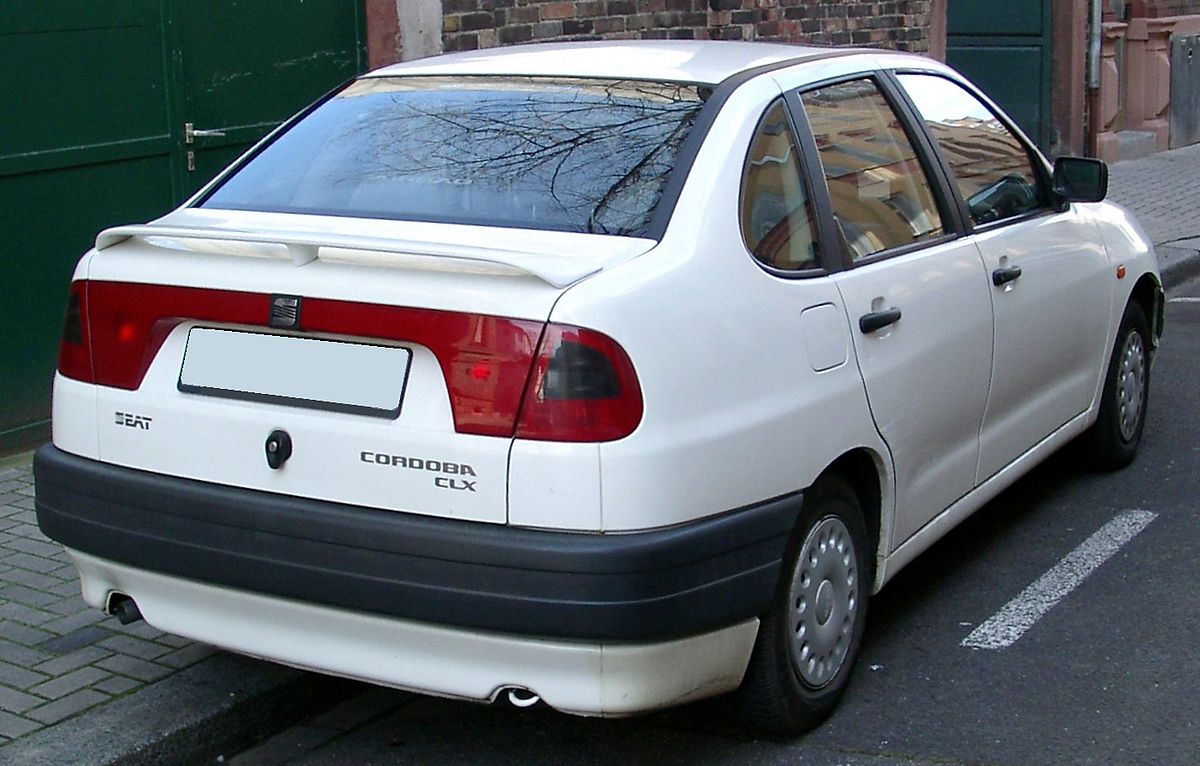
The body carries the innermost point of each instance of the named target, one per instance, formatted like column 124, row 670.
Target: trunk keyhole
column 279, row 448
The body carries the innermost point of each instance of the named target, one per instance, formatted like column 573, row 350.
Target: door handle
column 877, row 320
column 1005, row 274
column 191, row 133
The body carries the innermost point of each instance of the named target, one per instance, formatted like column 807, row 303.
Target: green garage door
column 93, row 132
column 1004, row 47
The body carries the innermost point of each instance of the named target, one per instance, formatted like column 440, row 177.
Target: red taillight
column 485, row 359
column 75, row 353
column 583, row 389
column 128, row 323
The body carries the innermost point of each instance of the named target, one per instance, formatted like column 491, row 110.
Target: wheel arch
column 1148, row 294
column 864, row 470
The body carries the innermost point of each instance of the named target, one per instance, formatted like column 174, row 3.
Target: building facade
column 427, row 27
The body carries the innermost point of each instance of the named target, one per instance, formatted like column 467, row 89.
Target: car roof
column 695, row 61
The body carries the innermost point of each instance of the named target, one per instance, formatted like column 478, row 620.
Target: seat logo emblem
column 285, row 312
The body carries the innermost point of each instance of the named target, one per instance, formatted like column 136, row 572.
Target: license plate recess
column 334, row 375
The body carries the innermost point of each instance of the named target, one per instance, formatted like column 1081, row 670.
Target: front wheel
column 1113, row 440
column 808, row 642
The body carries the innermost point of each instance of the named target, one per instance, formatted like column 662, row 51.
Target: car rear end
column 291, row 417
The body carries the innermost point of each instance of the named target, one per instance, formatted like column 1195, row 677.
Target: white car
column 613, row 374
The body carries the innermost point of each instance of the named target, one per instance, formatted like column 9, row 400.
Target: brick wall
column 1160, row 8
column 898, row 24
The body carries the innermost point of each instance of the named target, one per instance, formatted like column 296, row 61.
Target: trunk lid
column 456, row 324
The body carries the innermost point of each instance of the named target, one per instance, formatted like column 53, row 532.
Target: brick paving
column 1162, row 191
column 58, row 656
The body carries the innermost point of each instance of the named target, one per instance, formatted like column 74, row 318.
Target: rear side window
column 880, row 195
column 528, row 152
column 991, row 166
column 777, row 220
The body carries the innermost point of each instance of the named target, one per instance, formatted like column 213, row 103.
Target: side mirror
column 1079, row 179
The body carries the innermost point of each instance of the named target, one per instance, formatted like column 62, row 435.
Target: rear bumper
column 631, row 588
column 574, row 677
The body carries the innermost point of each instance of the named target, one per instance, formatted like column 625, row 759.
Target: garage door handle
column 191, row 133
column 877, row 320
column 1005, row 275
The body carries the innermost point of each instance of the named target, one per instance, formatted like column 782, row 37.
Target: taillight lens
column 485, row 359
column 582, row 386
column 583, row 389
column 121, row 326
column 129, row 322
column 75, row 353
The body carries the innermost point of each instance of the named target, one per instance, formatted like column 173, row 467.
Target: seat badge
column 285, row 312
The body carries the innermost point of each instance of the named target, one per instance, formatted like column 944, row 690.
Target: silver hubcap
column 1131, row 384
column 824, row 599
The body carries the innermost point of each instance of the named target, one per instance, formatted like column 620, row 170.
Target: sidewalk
column 57, row 656
column 1163, row 192
column 78, row 687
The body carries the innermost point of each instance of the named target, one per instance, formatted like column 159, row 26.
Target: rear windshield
column 528, row 152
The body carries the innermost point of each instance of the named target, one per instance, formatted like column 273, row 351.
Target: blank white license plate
column 305, row 372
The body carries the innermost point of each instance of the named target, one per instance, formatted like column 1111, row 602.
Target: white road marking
column 1017, row 616
column 1184, row 299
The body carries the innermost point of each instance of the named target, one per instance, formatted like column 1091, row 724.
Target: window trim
column 1037, row 161
column 805, row 180
column 934, row 174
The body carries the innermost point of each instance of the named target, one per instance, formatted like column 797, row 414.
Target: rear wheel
column 808, row 642
column 1113, row 440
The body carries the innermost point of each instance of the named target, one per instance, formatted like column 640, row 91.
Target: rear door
column 915, row 294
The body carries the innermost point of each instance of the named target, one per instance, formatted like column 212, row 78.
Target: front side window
column 563, row 154
column 880, row 195
column 777, row 220
column 990, row 164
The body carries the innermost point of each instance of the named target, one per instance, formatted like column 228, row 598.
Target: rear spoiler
column 556, row 270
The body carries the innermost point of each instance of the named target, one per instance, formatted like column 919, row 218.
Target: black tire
column 781, row 694
column 1112, row 441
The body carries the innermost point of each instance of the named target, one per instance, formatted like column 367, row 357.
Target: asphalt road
column 1108, row 675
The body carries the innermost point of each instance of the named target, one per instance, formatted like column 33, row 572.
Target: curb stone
column 1178, row 262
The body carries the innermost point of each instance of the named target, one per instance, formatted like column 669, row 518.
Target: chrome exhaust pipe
column 522, row 698
column 123, row 607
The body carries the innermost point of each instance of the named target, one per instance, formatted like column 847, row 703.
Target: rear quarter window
column 777, row 219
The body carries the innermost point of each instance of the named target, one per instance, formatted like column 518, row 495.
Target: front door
column 1051, row 331
column 1043, row 267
